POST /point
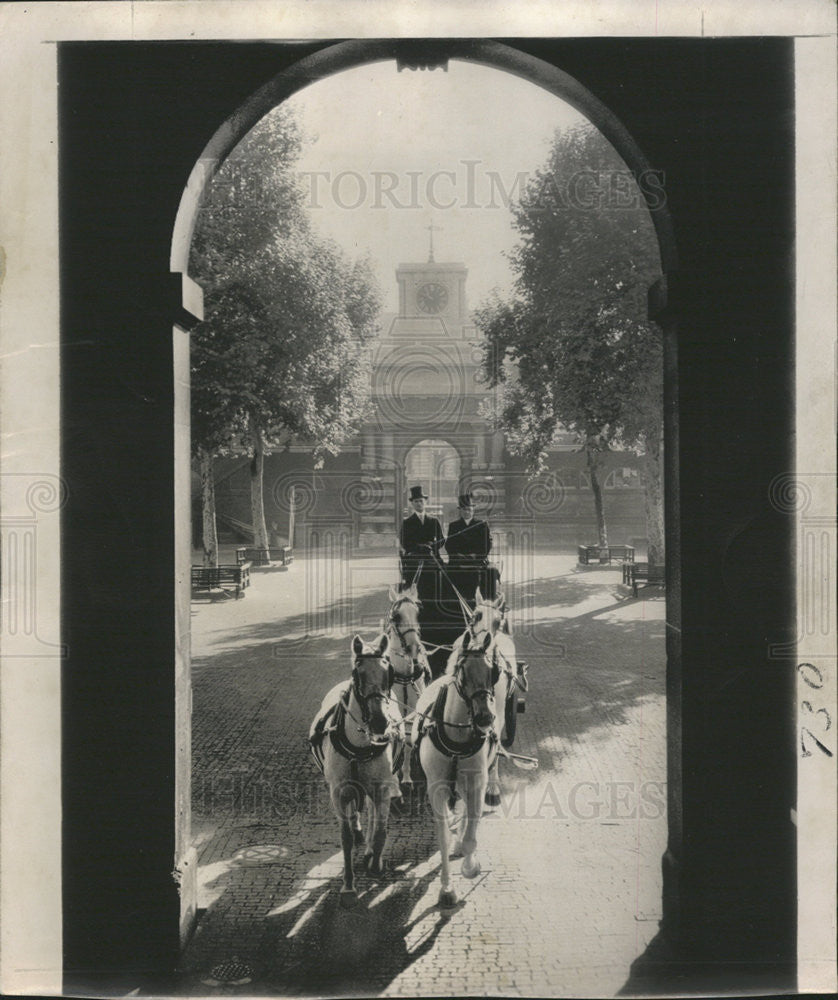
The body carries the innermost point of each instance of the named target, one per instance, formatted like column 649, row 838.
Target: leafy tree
column 572, row 349
column 217, row 415
column 280, row 352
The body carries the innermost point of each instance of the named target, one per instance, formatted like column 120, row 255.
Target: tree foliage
column 572, row 348
column 280, row 352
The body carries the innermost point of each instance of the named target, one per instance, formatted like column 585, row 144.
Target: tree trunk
column 653, row 483
column 257, row 496
column 594, row 465
column 210, row 532
column 292, row 514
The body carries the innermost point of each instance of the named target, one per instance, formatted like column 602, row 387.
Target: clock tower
column 435, row 291
column 427, row 423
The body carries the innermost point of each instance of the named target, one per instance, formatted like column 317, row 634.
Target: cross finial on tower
column 432, row 229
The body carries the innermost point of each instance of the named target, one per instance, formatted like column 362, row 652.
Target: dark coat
column 468, row 540
column 468, row 548
column 415, row 533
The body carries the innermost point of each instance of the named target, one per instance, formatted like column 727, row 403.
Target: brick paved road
column 570, row 889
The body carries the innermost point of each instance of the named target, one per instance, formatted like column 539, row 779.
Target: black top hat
column 465, row 500
column 417, row 493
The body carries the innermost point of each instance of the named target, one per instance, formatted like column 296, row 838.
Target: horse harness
column 333, row 724
column 419, row 668
column 515, row 671
column 435, row 728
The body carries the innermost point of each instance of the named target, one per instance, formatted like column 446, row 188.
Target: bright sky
column 397, row 152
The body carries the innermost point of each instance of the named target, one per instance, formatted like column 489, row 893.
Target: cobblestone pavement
column 569, row 894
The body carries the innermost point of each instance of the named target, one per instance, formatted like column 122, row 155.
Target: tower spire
column 431, row 229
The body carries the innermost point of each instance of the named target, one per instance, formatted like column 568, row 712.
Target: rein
column 412, row 713
column 465, row 608
column 464, row 605
column 430, row 715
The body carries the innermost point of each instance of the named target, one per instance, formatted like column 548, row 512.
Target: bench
column 224, row 578
column 588, row 553
column 282, row 554
column 625, row 553
column 635, row 574
column 605, row 553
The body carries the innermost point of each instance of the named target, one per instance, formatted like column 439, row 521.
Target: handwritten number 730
column 813, row 677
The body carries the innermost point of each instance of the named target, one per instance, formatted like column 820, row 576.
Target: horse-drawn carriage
column 394, row 703
column 447, row 595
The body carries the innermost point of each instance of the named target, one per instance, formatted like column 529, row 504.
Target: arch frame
column 411, row 54
column 423, row 54
column 141, row 115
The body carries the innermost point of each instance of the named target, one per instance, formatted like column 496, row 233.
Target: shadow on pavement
column 256, row 690
column 277, row 911
column 586, row 672
column 567, row 589
column 661, row 972
column 363, row 949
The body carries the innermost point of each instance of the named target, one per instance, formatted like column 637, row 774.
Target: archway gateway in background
column 436, row 466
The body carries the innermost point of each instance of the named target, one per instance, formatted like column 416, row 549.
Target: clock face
column 432, row 298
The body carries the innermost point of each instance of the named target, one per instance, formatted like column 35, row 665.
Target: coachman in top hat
column 419, row 541
column 468, row 544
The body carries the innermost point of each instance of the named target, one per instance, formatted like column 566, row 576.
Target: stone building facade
column 430, row 424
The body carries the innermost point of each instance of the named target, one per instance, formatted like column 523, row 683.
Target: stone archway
column 413, row 55
column 435, row 463
column 132, row 114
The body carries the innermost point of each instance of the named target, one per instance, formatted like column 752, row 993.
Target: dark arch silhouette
column 347, row 55
column 413, row 54
column 717, row 115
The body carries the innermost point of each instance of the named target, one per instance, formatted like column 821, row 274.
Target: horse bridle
column 469, row 698
column 364, row 699
column 495, row 651
column 391, row 620
column 477, row 614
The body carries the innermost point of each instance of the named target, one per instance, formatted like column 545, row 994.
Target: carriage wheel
column 510, row 717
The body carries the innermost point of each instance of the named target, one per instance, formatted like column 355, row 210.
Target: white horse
column 412, row 672
column 352, row 739
column 489, row 617
column 455, row 728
